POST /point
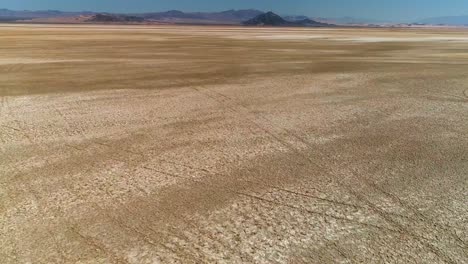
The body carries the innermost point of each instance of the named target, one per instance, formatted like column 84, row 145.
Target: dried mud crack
column 168, row 144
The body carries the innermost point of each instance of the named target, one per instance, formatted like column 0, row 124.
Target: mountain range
column 172, row 16
column 223, row 17
column 27, row 14
column 234, row 17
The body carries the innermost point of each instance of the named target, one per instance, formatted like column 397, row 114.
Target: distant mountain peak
column 174, row 12
column 272, row 19
column 104, row 17
column 266, row 19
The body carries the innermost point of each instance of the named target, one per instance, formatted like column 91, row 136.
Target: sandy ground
column 133, row 144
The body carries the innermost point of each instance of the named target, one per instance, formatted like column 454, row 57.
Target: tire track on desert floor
column 93, row 242
column 141, row 156
column 382, row 213
column 406, row 231
column 277, row 188
column 257, row 198
column 322, row 152
column 428, row 222
column 18, row 127
column 141, row 228
column 29, row 189
column 236, row 192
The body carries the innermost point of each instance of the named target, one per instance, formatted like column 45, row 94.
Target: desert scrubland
column 171, row 144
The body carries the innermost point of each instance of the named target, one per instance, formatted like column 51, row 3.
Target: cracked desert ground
column 171, row 144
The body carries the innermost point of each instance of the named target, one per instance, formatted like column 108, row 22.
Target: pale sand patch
column 403, row 39
column 290, row 37
column 10, row 61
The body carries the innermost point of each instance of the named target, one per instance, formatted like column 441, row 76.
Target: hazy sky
column 377, row 9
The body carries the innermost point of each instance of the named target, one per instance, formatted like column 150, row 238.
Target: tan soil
column 164, row 144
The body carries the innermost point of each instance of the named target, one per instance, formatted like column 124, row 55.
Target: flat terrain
column 147, row 144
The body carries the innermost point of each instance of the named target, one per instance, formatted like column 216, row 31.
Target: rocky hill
column 267, row 19
column 272, row 19
column 106, row 18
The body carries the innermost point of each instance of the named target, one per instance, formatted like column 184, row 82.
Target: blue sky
column 396, row 10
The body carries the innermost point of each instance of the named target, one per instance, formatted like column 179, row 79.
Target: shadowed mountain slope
column 272, row 19
column 114, row 18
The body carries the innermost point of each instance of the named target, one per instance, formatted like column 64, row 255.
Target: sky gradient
column 393, row 10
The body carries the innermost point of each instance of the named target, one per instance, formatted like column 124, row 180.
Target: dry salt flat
column 168, row 144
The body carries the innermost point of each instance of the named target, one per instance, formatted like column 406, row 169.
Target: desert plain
column 187, row 144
